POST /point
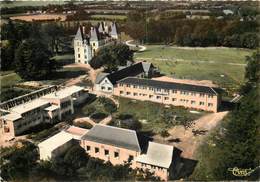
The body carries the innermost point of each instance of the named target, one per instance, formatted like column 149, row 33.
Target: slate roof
column 79, row 34
column 113, row 29
column 114, row 136
column 158, row 155
column 93, row 34
column 170, row 85
column 129, row 71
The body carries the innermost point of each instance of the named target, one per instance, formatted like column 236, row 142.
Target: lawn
column 224, row 66
column 150, row 114
column 110, row 17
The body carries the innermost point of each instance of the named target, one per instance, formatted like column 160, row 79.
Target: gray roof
column 100, row 77
column 114, row 136
column 79, row 34
column 113, row 29
column 158, row 155
column 146, row 66
column 93, row 34
column 170, row 85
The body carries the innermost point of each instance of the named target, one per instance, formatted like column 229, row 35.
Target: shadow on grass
column 67, row 74
column 184, row 169
column 227, row 106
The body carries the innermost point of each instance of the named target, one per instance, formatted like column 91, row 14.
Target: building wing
column 170, row 85
column 158, row 155
column 114, row 136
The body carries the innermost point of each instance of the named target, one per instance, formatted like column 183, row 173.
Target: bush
column 108, row 104
column 85, row 125
column 98, row 116
column 88, row 110
column 164, row 133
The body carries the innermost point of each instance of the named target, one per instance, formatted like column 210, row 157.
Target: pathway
column 142, row 48
column 104, row 121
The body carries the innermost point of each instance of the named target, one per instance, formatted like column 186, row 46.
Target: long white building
column 49, row 108
column 87, row 44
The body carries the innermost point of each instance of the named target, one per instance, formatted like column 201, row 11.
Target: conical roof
column 79, row 34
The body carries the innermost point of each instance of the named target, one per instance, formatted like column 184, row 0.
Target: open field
column 111, row 17
column 40, row 17
column 150, row 114
column 224, row 66
column 29, row 3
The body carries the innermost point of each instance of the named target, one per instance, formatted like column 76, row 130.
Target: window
column 193, row 102
column 158, row 97
column 144, row 87
column 144, row 95
column 166, row 98
column 130, row 158
column 193, row 93
column 174, row 99
column 135, row 94
column 102, row 88
column 78, row 49
column 210, row 96
column 135, row 86
column 166, row 90
column 94, row 44
column 128, row 93
column 116, row 154
column 88, row 148
column 121, row 92
column 202, row 95
column 201, row 103
column 78, row 55
column 96, row 150
column 109, row 88
column 121, row 84
column 106, row 152
column 150, row 88
column 150, row 96
column 128, row 85
column 174, row 91
column 210, row 104
column 158, row 90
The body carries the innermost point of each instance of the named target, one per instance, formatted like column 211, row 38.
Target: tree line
column 192, row 32
column 27, row 48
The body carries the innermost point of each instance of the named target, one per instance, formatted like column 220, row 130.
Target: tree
column 76, row 157
column 112, row 56
column 32, row 60
column 7, row 56
column 54, row 32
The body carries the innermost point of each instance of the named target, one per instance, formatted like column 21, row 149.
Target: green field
column 224, row 66
column 152, row 113
column 111, row 17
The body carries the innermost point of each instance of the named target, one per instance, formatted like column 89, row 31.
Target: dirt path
column 92, row 74
column 104, row 121
column 186, row 140
column 142, row 48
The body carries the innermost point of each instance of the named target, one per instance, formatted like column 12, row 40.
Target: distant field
column 111, row 17
column 29, row 3
column 225, row 66
column 40, row 17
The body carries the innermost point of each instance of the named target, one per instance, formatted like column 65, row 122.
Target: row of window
column 167, row 90
column 151, row 166
column 29, row 122
column 185, row 101
column 107, row 152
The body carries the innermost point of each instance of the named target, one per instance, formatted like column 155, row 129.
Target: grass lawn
column 111, row 17
column 150, row 113
column 224, row 66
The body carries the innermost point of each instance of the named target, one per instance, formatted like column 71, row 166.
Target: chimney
column 83, row 29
